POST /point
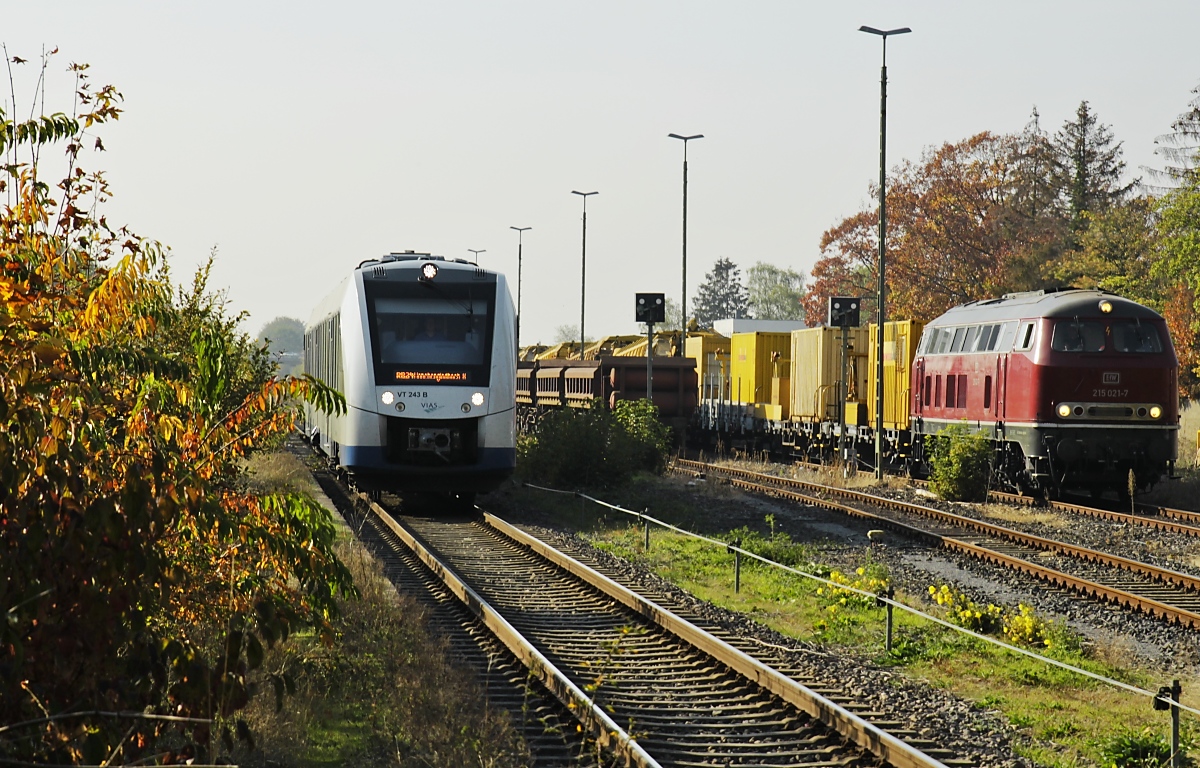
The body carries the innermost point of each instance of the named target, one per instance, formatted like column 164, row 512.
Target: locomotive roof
column 1070, row 302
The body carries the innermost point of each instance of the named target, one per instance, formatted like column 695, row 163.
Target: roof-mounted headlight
column 1105, row 306
column 429, row 271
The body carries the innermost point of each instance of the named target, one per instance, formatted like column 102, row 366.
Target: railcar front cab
column 431, row 326
column 1112, row 392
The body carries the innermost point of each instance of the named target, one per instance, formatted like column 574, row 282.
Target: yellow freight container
column 711, row 353
column 899, row 348
column 816, row 370
column 756, row 357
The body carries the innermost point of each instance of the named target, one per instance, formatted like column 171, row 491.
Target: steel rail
column 865, row 734
column 756, row 481
column 602, row 727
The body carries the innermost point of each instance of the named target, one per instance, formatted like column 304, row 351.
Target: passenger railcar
column 1077, row 388
column 424, row 350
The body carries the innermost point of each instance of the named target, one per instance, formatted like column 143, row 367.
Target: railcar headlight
column 428, row 272
column 477, row 399
column 1155, row 412
column 1064, row 411
column 1105, row 306
column 388, row 398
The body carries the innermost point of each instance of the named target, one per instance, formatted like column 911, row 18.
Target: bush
column 960, row 463
column 1137, row 749
column 594, row 447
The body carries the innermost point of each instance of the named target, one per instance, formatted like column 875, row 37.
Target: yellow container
column 711, row 353
column 899, row 348
column 755, row 358
column 816, row 369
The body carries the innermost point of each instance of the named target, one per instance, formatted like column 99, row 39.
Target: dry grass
column 385, row 693
column 1007, row 513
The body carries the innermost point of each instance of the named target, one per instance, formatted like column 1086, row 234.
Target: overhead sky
column 301, row 138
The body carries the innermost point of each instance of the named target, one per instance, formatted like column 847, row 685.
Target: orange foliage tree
column 139, row 580
column 960, row 227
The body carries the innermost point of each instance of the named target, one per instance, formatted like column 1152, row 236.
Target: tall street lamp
column 882, row 240
column 683, row 296
column 476, row 254
column 520, row 233
column 583, row 269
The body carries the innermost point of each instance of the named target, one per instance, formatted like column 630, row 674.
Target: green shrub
column 1137, row 749
column 594, row 447
column 960, row 463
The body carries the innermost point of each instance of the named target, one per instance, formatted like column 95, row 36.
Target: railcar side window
column 1134, row 336
column 1078, row 336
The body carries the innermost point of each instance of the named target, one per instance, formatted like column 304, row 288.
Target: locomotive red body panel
column 1078, row 388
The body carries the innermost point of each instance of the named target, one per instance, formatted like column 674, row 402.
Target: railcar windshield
column 1098, row 336
column 433, row 334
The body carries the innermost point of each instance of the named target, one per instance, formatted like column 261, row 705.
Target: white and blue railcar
column 424, row 350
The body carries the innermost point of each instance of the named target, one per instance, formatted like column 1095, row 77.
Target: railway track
column 1134, row 585
column 652, row 687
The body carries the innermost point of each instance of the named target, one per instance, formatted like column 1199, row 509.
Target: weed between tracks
column 1069, row 720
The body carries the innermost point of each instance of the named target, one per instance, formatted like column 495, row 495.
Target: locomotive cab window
column 1134, row 336
column 1078, row 336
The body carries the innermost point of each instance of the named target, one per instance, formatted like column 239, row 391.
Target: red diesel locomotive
column 1077, row 388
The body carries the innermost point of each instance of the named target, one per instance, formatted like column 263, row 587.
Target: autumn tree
column 1178, row 265
column 775, row 293
column 721, row 295
column 139, row 579
column 959, row 229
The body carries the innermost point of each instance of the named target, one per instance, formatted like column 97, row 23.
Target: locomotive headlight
column 477, row 399
column 1155, row 412
column 388, row 398
column 1064, row 410
column 1105, row 306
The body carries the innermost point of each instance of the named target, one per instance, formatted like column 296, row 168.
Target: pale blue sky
column 302, row 138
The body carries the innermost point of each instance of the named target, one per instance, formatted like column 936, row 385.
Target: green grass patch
column 1070, row 719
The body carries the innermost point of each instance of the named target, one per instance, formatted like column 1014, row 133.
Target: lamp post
column 520, row 233
column 476, row 253
column 683, row 295
column 583, row 269
column 882, row 241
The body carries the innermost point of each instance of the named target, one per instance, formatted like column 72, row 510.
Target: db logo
column 1112, row 378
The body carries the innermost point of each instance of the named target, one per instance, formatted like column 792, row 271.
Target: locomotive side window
column 937, row 392
column 927, row 390
column 962, row 391
column 959, row 335
column 1133, row 336
column 987, row 392
column 1078, row 336
column 972, row 335
column 951, row 391
column 1024, row 337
